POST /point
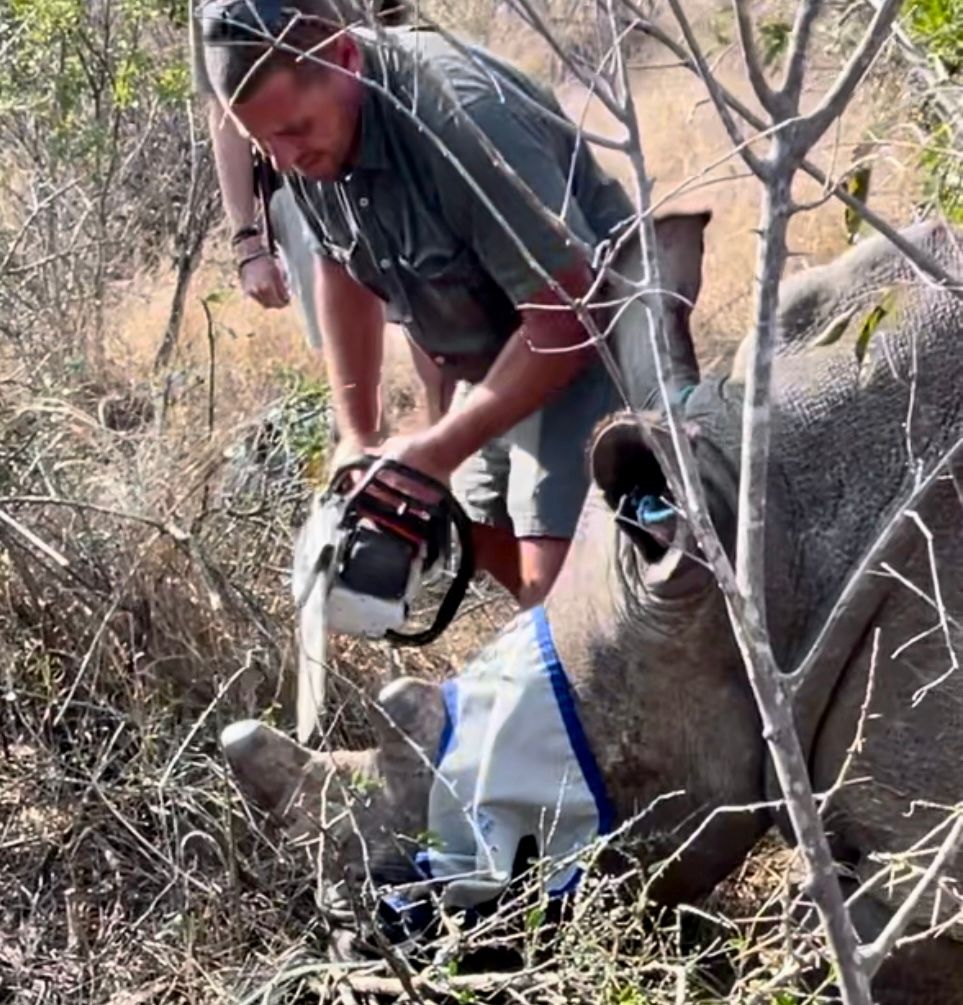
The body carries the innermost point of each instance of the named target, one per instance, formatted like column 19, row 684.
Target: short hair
column 245, row 40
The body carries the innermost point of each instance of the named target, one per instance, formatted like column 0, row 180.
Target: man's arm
column 523, row 378
column 261, row 278
column 520, row 381
column 352, row 319
column 232, row 156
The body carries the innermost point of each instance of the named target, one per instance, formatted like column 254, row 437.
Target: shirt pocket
column 440, row 262
column 352, row 253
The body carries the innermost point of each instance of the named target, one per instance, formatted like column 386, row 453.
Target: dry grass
column 154, row 610
column 131, row 873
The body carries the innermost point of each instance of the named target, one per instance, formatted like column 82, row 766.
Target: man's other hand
column 263, row 280
column 352, row 448
column 420, row 451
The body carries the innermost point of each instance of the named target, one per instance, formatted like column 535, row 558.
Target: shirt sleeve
column 533, row 154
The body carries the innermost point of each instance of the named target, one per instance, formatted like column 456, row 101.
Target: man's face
column 308, row 121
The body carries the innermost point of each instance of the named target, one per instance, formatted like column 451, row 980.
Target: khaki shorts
column 533, row 479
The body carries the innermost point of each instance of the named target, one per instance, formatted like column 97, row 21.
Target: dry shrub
column 145, row 604
column 144, row 560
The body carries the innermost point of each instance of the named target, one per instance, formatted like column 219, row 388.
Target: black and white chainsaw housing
column 363, row 557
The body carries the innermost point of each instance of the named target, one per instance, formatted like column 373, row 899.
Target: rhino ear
column 680, row 246
column 628, row 471
column 681, row 242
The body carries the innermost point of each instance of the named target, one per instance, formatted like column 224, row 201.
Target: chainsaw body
column 364, row 556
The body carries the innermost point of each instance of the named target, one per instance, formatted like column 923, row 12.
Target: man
column 260, row 273
column 386, row 142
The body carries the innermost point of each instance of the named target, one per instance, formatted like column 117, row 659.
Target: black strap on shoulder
column 266, row 182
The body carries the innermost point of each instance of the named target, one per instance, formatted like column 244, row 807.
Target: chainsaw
column 367, row 551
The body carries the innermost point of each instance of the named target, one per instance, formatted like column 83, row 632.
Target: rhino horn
column 299, row 788
column 680, row 247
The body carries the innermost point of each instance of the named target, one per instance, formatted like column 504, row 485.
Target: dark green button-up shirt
column 407, row 224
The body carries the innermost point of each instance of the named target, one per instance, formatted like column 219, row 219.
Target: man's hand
column 263, row 280
column 415, row 451
column 420, row 451
column 351, row 448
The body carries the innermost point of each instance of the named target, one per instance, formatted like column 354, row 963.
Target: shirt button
column 439, row 360
column 385, row 263
column 363, row 202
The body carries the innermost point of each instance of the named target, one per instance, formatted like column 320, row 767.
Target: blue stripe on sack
column 449, row 696
column 576, row 735
column 570, row 887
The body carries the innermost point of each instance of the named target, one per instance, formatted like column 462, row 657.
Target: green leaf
column 935, row 25
column 871, row 322
column 534, row 918
column 942, row 171
column 857, row 185
column 363, row 784
column 835, row 330
column 428, row 839
column 774, row 35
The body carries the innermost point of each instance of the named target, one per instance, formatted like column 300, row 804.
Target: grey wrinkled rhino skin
column 644, row 636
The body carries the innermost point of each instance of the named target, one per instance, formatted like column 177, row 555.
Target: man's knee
column 532, row 592
column 540, row 561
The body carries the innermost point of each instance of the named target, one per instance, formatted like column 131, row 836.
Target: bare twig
column 838, row 96
column 696, row 60
column 873, row 955
column 750, row 58
column 914, row 254
column 791, row 89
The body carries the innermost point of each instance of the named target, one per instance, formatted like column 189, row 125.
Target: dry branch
column 914, row 254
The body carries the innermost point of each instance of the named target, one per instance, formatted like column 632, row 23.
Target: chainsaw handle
column 369, row 465
column 456, row 592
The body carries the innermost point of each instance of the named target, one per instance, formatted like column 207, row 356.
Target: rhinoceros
column 867, row 412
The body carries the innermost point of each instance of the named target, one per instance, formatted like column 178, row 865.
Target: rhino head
column 858, row 417
column 367, row 807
